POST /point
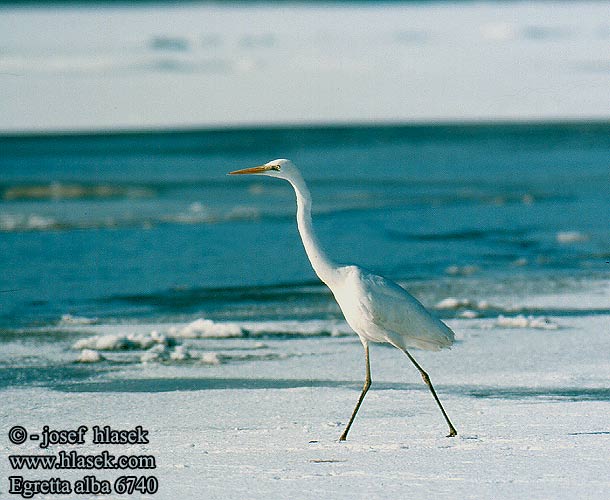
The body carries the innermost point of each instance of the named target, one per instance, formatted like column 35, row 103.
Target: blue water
column 147, row 227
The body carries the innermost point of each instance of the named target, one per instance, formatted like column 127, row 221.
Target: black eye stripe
column 275, row 167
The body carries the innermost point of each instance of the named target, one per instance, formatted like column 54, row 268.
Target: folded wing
column 406, row 322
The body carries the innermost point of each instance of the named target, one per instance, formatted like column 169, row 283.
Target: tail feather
column 440, row 338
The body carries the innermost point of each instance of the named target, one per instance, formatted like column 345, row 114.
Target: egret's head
column 282, row 169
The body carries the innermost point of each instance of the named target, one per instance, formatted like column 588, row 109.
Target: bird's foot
column 452, row 432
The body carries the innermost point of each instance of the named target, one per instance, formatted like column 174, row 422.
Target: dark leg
column 367, row 384
column 424, row 376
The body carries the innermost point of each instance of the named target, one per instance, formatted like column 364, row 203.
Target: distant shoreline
column 416, row 127
column 127, row 3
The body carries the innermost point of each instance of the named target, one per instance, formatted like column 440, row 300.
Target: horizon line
column 322, row 125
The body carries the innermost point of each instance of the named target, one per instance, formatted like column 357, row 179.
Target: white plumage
column 376, row 308
column 380, row 310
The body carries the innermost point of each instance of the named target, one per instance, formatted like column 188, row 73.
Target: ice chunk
column 452, row 303
column 90, row 356
column 211, row 358
column 68, row 319
column 180, row 354
column 469, row 314
column 115, row 342
column 521, row 321
column 208, row 328
column 571, row 237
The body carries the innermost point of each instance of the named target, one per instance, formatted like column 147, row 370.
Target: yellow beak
column 253, row 170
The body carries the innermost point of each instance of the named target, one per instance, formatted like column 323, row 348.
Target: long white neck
column 322, row 265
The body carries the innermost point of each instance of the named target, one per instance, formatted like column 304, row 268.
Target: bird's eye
column 275, row 167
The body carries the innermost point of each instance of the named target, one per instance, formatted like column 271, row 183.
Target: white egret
column 376, row 308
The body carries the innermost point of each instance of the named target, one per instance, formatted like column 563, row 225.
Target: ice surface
column 531, row 408
column 210, row 64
